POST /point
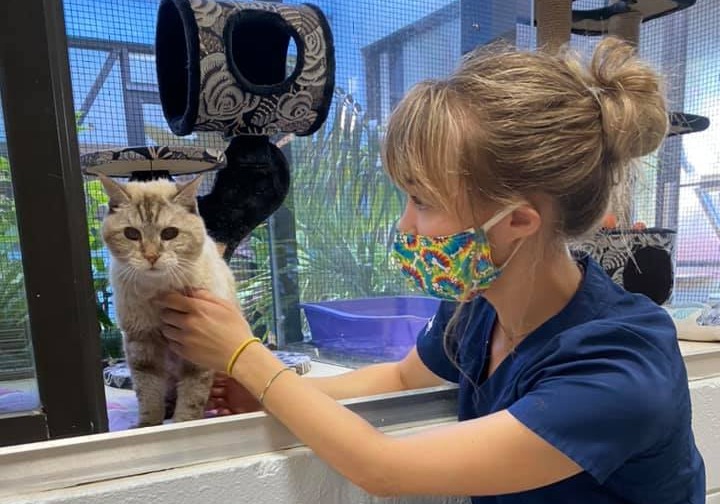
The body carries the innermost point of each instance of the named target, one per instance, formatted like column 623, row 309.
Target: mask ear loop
column 491, row 223
column 498, row 217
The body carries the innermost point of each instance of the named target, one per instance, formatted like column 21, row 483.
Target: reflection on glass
column 18, row 387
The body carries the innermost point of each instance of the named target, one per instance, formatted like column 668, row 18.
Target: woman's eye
column 418, row 203
column 132, row 234
column 169, row 233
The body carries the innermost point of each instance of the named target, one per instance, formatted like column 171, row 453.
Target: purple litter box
column 381, row 327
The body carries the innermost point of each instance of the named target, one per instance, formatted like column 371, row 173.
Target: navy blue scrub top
column 603, row 381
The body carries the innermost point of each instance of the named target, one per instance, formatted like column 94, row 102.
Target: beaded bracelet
column 236, row 353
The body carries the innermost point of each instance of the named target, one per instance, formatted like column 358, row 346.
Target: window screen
column 18, row 388
column 332, row 238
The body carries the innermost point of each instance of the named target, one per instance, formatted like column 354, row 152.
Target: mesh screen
column 342, row 205
column 16, row 358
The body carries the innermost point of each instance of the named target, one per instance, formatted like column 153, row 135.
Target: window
column 330, row 246
column 329, row 243
column 18, row 386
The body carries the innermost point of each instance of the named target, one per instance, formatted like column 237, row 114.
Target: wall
column 297, row 476
column 706, row 424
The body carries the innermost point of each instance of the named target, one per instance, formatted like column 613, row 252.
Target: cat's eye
column 132, row 234
column 169, row 233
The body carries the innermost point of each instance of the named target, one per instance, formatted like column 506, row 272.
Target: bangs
column 422, row 147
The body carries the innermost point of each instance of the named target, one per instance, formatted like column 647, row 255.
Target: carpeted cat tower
column 223, row 66
column 640, row 260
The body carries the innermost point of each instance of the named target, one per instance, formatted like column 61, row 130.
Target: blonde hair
column 508, row 124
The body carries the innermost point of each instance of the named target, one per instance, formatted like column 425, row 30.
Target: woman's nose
column 406, row 222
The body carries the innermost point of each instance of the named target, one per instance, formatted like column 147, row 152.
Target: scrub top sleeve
column 431, row 347
column 599, row 398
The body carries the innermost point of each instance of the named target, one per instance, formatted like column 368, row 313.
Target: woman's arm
column 229, row 397
column 488, row 456
column 410, row 373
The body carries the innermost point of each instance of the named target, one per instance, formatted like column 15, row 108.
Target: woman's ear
column 524, row 222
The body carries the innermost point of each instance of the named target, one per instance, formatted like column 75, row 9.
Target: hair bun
column 633, row 107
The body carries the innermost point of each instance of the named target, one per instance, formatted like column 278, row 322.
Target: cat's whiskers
column 185, row 274
column 175, row 278
column 179, row 276
column 185, row 267
column 127, row 274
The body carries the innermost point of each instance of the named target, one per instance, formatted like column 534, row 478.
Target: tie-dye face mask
column 456, row 267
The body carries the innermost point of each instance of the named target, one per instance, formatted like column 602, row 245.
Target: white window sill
column 701, row 359
column 69, row 462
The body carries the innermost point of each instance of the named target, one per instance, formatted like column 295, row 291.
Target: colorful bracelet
column 270, row 382
column 236, row 353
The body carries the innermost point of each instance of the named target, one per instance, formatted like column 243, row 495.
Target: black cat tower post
column 223, row 66
column 639, row 260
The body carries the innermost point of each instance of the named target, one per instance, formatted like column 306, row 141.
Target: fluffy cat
column 158, row 242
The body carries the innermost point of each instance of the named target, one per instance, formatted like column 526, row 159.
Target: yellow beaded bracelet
column 236, row 353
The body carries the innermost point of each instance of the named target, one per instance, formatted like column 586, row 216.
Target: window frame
column 44, row 162
column 36, row 87
column 53, row 465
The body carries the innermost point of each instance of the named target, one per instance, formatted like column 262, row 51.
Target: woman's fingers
column 206, row 296
column 175, row 348
column 175, row 301
column 173, row 334
column 203, row 294
column 172, row 318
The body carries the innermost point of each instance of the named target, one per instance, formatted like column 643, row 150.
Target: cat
column 157, row 243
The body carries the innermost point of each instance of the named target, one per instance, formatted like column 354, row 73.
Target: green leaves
column 345, row 208
column 13, row 304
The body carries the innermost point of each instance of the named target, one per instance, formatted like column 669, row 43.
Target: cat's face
column 153, row 227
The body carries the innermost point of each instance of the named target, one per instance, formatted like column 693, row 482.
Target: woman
column 570, row 389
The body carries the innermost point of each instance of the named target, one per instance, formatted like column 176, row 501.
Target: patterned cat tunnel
column 225, row 67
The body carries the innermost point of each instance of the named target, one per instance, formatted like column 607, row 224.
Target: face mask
column 456, row 267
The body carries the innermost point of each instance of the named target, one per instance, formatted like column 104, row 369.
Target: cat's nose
column 152, row 258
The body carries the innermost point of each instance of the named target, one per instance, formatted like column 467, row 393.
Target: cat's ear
column 187, row 194
column 115, row 191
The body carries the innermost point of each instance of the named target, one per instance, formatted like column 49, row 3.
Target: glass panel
column 332, row 239
column 356, row 307
column 679, row 188
column 18, row 387
column 105, row 73
column 699, row 153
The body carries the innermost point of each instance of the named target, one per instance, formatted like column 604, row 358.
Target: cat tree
column 639, row 260
column 222, row 66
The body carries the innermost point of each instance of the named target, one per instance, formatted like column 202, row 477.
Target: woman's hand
column 202, row 328
column 228, row 397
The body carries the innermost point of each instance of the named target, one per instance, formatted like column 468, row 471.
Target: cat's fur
column 150, row 261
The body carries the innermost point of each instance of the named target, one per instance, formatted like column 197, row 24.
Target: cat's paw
column 187, row 418
column 140, row 425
